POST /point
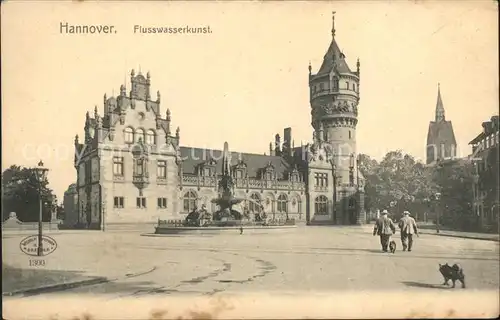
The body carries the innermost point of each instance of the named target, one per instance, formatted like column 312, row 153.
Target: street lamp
column 437, row 196
column 41, row 174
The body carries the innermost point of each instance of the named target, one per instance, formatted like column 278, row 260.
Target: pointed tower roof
column 440, row 115
column 334, row 57
column 440, row 130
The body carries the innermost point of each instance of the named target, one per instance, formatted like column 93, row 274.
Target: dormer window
column 129, row 135
column 151, row 137
column 140, row 135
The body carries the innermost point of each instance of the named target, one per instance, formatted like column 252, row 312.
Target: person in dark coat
column 385, row 228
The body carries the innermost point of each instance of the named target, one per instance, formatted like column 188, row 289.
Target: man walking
column 408, row 227
column 385, row 228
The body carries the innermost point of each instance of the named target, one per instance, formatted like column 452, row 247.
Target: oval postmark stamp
column 29, row 245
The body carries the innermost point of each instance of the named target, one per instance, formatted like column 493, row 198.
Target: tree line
column 398, row 182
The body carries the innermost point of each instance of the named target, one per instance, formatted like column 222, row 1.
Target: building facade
column 70, row 203
column 132, row 168
column 441, row 143
column 485, row 150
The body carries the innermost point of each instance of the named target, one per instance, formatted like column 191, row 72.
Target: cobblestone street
column 307, row 259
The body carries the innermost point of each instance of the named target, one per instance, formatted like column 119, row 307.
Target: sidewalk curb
column 460, row 236
column 58, row 287
column 74, row 284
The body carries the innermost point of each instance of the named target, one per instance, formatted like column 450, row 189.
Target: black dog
column 452, row 273
column 392, row 246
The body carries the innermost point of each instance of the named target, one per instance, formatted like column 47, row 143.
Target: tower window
column 354, row 87
column 321, row 86
column 347, row 85
column 349, row 134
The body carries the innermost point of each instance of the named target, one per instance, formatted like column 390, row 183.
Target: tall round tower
column 334, row 97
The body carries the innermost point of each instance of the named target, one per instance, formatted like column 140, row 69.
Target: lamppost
column 437, row 196
column 334, row 177
column 41, row 174
column 475, row 194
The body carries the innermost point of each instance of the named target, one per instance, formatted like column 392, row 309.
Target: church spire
column 439, row 107
column 333, row 24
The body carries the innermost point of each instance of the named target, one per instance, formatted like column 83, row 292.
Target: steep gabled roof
column 255, row 162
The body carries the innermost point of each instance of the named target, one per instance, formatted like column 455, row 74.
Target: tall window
column 354, row 87
column 161, row 169
column 118, row 166
column 129, row 135
column 336, row 84
column 282, row 203
column 141, row 202
column 321, row 179
column 151, row 137
column 162, row 203
column 139, row 134
column 189, row 201
column 253, row 205
column 139, row 166
column 118, row 202
column 347, row 85
column 320, row 205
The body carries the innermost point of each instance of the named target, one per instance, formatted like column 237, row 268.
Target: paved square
column 306, row 259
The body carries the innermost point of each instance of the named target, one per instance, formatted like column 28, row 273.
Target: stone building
column 132, row 168
column 70, row 203
column 485, row 149
column 441, row 143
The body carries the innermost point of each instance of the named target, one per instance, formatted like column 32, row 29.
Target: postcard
column 250, row 159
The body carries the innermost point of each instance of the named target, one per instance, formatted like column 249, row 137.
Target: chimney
column 287, row 141
column 271, row 151
column 277, row 145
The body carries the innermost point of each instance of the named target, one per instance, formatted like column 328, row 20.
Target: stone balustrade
column 242, row 183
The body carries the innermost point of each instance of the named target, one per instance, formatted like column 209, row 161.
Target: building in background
column 441, row 143
column 486, row 184
column 132, row 168
column 70, row 204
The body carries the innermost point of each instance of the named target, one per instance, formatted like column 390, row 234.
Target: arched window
column 129, row 135
column 189, row 201
column 253, row 204
column 282, row 204
column 320, row 205
column 151, row 137
column 140, row 134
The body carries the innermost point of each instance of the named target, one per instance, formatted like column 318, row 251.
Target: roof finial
column 310, row 68
column 333, row 23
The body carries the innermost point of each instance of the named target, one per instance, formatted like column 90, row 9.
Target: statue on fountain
column 226, row 198
column 197, row 218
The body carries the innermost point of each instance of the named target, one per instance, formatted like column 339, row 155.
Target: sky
column 248, row 79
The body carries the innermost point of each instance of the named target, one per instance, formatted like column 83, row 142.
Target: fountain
column 226, row 217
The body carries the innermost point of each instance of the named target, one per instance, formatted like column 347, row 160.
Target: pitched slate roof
column 334, row 55
column 441, row 132
column 195, row 156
